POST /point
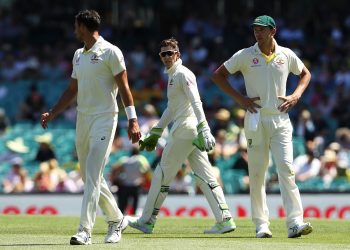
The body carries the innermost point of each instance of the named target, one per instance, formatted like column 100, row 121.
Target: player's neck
column 267, row 48
column 91, row 40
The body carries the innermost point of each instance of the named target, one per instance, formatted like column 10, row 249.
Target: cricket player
column 98, row 72
column 189, row 138
column 265, row 68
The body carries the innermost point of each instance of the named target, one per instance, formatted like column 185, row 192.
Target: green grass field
column 51, row 232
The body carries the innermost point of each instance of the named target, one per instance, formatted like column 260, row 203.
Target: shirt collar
column 258, row 51
column 174, row 67
column 94, row 48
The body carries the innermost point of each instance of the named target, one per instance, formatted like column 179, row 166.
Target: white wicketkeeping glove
column 204, row 141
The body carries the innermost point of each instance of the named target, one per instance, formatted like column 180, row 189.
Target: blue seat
column 232, row 180
column 340, row 184
column 314, row 184
column 298, row 146
column 224, row 164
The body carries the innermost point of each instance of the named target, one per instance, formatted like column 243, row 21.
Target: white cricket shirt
column 263, row 79
column 182, row 93
column 95, row 70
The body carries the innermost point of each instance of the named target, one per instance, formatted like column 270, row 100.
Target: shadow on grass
column 47, row 244
column 196, row 237
column 30, row 244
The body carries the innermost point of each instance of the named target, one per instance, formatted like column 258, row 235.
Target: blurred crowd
column 38, row 43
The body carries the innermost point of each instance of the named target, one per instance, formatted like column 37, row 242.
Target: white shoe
column 82, row 237
column 222, row 227
column 135, row 222
column 299, row 230
column 263, row 231
column 115, row 230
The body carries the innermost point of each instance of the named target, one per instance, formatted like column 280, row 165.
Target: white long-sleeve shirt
column 183, row 96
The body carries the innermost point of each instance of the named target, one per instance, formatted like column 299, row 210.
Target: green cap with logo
column 265, row 21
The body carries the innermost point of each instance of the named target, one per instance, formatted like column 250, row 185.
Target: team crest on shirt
column 94, row 58
column 171, row 82
column 255, row 62
column 279, row 61
column 250, row 143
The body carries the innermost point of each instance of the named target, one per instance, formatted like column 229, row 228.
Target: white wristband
column 130, row 112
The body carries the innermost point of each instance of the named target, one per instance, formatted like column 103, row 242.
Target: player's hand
column 205, row 141
column 249, row 104
column 288, row 102
column 45, row 118
column 150, row 141
column 134, row 133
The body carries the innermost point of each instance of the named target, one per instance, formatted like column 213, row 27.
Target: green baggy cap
column 264, row 20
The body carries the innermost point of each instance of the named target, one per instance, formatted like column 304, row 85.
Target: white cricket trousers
column 274, row 133
column 179, row 148
column 94, row 137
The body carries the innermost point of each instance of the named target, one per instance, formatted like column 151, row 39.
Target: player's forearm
column 65, row 100
column 128, row 103
column 126, row 96
column 195, row 100
column 165, row 119
column 124, row 89
column 222, row 82
column 198, row 111
column 125, row 93
column 305, row 78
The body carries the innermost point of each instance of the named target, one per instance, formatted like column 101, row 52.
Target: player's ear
column 273, row 31
column 178, row 54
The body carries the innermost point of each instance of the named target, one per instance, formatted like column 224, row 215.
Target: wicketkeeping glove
column 205, row 141
column 150, row 141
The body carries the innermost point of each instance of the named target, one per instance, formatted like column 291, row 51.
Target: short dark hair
column 89, row 18
column 172, row 42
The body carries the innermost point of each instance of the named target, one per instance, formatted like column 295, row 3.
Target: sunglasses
column 167, row 53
